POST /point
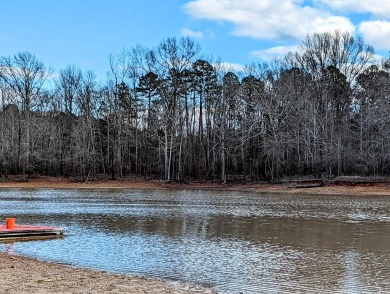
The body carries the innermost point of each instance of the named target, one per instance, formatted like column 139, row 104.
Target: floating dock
column 18, row 232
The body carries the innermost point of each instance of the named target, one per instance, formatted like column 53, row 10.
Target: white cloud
column 376, row 33
column 185, row 32
column 376, row 7
column 269, row 19
column 270, row 53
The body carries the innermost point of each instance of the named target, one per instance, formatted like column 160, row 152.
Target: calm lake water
column 232, row 241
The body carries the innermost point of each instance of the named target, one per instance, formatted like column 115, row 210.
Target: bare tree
column 169, row 61
column 69, row 85
column 25, row 76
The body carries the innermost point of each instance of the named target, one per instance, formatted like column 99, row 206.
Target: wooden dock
column 26, row 232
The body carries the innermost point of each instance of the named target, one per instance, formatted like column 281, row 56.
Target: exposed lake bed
column 231, row 241
column 26, row 275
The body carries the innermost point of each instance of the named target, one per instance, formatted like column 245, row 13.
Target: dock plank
column 29, row 231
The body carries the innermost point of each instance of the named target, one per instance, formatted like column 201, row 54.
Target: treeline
column 322, row 110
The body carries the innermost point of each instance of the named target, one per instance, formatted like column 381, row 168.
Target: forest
column 170, row 112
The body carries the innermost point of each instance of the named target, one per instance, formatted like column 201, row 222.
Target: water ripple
column 234, row 242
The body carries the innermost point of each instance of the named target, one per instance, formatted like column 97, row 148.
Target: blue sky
column 84, row 32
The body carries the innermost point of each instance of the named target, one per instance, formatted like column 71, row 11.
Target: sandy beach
column 26, row 275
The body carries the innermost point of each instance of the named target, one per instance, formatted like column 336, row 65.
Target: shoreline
column 22, row 274
column 375, row 189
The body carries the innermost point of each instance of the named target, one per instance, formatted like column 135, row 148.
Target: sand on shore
column 21, row 275
column 61, row 183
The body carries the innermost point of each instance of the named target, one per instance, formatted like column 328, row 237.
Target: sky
column 239, row 32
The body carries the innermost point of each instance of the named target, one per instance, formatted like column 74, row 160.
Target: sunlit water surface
column 231, row 241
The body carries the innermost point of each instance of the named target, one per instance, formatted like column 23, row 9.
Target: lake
column 231, row 241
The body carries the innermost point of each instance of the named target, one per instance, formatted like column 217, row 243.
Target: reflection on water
column 234, row 242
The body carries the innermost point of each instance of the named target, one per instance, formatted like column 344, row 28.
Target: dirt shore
column 60, row 183
column 26, row 275
column 21, row 275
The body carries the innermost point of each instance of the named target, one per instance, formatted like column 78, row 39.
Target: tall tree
column 252, row 93
column 204, row 85
column 25, row 76
column 170, row 61
column 69, row 84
